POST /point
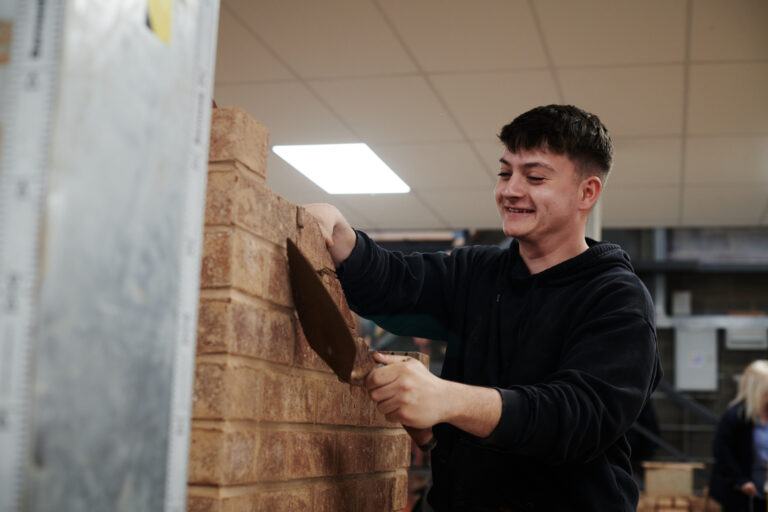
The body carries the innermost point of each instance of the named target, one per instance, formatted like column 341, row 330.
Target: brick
column 236, row 258
column 356, row 453
column 260, row 210
column 312, row 454
column 234, row 327
column 219, row 456
column 373, row 494
column 400, row 490
column 227, row 391
column 216, row 267
column 214, row 330
column 260, row 270
column 262, row 333
column 392, row 451
column 422, row 358
column 288, row 398
column 237, row 136
column 222, row 504
column 284, row 500
column 333, row 497
column 219, row 196
column 236, row 197
column 203, row 504
column 342, row 404
column 273, row 453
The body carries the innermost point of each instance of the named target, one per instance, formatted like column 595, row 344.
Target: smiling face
column 542, row 199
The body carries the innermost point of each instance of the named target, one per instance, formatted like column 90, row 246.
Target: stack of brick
column 272, row 427
column 677, row 504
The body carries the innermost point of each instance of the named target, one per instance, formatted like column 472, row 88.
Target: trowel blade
column 322, row 322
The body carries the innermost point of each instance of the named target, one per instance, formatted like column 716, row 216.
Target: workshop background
column 681, row 86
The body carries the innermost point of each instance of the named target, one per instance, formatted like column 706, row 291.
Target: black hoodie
column 572, row 351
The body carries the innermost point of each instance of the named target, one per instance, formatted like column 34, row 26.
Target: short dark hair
column 563, row 129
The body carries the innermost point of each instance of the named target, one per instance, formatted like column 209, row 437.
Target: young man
column 551, row 343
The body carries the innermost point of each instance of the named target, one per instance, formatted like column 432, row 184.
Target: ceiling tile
column 436, row 165
column 484, row 102
column 728, row 98
column 240, row 57
column 394, row 211
column 469, row 208
column 490, row 151
column 646, row 160
column 326, row 39
column 296, row 188
column 726, row 160
column 735, row 30
column 636, row 100
column 389, row 109
column 640, row 206
column 452, row 35
column 732, row 205
column 290, row 112
column 600, row 32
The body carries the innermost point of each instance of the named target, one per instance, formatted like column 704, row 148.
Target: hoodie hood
column 599, row 257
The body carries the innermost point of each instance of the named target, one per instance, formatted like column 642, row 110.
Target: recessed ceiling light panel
column 343, row 168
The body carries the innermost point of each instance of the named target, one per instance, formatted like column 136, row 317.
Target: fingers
column 380, row 377
column 389, row 358
column 324, row 214
column 394, row 368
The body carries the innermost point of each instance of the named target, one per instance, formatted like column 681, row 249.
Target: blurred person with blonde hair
column 741, row 445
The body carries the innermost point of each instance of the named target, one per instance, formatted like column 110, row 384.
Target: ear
column 589, row 192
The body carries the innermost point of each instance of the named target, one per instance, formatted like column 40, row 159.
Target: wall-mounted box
column 696, row 359
column 746, row 339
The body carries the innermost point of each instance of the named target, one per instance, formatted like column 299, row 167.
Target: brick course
column 272, row 427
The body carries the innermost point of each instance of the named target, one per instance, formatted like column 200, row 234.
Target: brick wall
column 272, row 428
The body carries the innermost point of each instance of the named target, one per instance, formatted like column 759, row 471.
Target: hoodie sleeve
column 607, row 368
column 407, row 295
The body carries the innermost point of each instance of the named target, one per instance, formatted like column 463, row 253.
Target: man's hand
column 749, row 489
column 339, row 235
column 406, row 392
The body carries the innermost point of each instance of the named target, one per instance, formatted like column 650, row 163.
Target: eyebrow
column 529, row 165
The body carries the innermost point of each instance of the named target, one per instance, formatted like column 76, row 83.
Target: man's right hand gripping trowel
column 328, row 334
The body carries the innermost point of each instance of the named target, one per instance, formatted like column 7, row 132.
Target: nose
column 513, row 187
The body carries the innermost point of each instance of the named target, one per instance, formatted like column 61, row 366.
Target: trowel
column 328, row 334
column 322, row 322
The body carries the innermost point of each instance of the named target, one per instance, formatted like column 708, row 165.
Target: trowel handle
column 423, row 437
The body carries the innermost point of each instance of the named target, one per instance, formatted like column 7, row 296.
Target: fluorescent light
column 343, row 168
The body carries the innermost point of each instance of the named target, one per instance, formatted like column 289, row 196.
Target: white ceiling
column 681, row 84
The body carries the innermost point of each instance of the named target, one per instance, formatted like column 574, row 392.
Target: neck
column 539, row 257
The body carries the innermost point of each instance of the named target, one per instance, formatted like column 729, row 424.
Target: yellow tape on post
column 159, row 14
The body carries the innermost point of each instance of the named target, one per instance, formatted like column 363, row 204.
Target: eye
column 504, row 175
column 535, row 179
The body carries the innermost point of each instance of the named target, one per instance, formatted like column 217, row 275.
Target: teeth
column 517, row 210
